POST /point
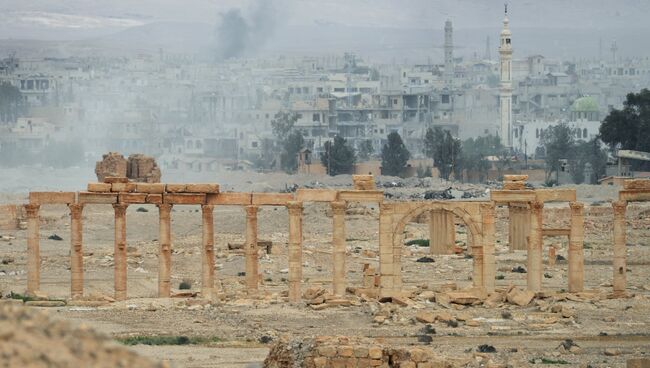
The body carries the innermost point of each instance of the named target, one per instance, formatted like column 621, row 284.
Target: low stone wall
column 342, row 351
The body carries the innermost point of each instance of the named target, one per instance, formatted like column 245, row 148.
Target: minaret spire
column 505, row 91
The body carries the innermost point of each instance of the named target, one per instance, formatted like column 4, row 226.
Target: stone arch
column 472, row 226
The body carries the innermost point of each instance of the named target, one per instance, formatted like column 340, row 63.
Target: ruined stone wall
column 10, row 216
column 138, row 168
column 343, row 351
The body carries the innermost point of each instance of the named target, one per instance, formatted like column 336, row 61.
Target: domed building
column 585, row 109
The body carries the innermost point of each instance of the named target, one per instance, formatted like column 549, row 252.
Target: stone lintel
column 376, row 196
column 504, row 196
column 132, row 198
column 202, row 188
column 97, row 198
column 316, row 195
column 271, row 199
column 634, row 195
column 230, row 198
column 184, row 198
column 154, row 198
column 52, row 197
column 556, row 195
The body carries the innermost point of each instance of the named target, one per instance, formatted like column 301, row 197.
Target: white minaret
column 505, row 93
column 449, row 55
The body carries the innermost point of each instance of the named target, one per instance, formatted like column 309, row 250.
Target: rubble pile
column 343, row 351
column 29, row 338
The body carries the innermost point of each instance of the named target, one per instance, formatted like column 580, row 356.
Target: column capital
column 338, row 207
column 487, row 208
column 619, row 208
column 294, row 208
column 536, row 206
column 207, row 207
column 32, row 210
column 576, row 207
column 76, row 210
column 251, row 211
column 120, row 208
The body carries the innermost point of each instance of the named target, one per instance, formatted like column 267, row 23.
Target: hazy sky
column 387, row 13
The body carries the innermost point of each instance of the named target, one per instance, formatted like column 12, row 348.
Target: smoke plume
column 240, row 35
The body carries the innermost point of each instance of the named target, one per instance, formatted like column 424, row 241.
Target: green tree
column 366, row 149
column 445, row 150
column 338, row 158
column 12, row 105
column 394, row 155
column 476, row 151
column 629, row 127
column 588, row 153
column 559, row 144
column 291, row 140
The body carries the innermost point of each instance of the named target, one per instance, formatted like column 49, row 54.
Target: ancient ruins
column 526, row 228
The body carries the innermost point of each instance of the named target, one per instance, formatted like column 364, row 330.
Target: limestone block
column 636, row 184
column 112, row 165
column 272, row 199
column 99, row 187
column 228, row 198
column 9, row 219
column 375, row 196
column 154, row 198
column 123, row 187
column 316, row 195
column 153, row 188
column 132, row 198
column 363, row 182
column 519, row 297
column 52, row 197
column 175, row 188
column 185, row 198
column 636, row 195
column 202, row 188
column 555, row 195
column 504, row 196
column 517, row 185
column 97, row 198
column 143, row 169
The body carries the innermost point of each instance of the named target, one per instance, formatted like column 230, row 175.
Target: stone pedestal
column 33, row 249
column 164, row 251
column 76, row 251
column 442, row 232
column 250, row 251
column 576, row 252
column 519, row 226
column 620, row 252
column 207, row 252
column 338, row 243
column 119, row 254
column 489, row 262
column 295, row 250
column 535, row 243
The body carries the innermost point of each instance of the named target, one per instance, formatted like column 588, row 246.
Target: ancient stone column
column 119, row 256
column 338, row 242
column 76, row 251
column 207, row 252
column 295, row 250
column 576, row 252
column 620, row 252
column 388, row 269
column 489, row 262
column 519, row 226
column 535, row 267
column 442, row 232
column 33, row 248
column 252, row 266
column 165, row 250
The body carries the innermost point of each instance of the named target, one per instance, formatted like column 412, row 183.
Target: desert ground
column 238, row 329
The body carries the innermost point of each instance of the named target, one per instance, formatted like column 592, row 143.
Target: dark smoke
column 240, row 36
